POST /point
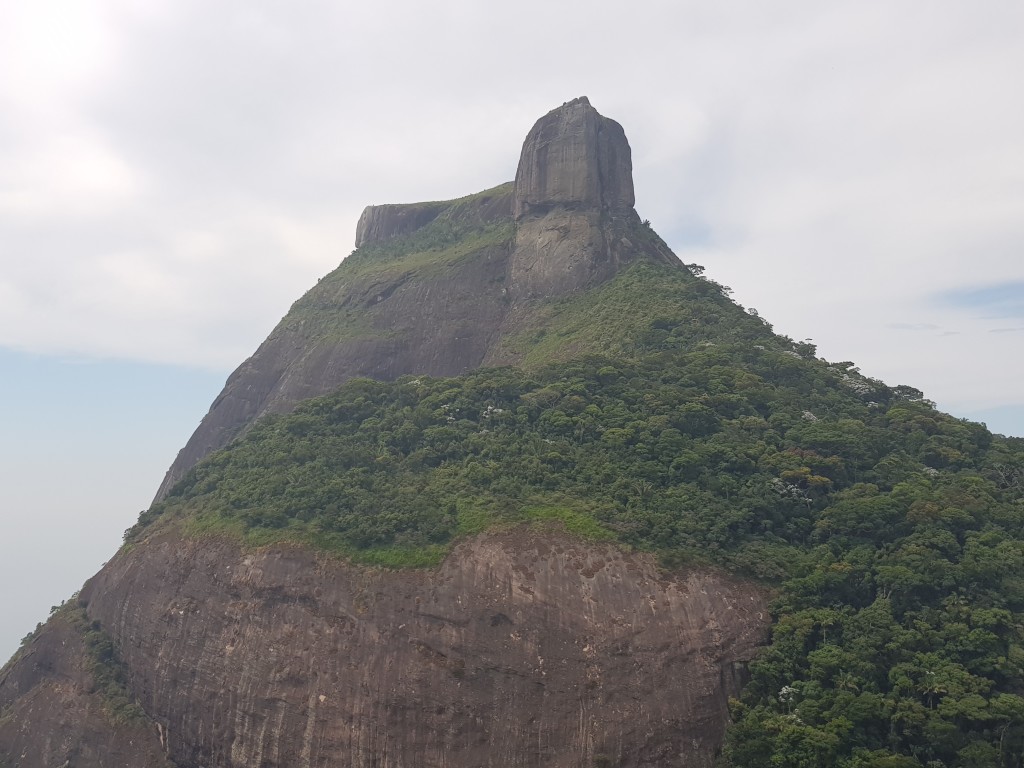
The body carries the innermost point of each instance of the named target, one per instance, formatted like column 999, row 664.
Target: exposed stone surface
column 523, row 649
column 574, row 217
column 574, row 157
column 50, row 716
column 381, row 222
column 574, row 204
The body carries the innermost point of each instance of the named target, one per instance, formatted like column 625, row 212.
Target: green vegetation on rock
column 331, row 311
column 108, row 673
column 647, row 306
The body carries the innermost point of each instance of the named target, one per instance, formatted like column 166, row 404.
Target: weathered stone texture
column 522, row 649
column 382, row 222
column 50, row 714
column 574, row 157
column 573, row 197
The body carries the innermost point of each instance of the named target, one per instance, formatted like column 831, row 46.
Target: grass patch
column 402, row 557
column 645, row 306
column 457, row 232
column 574, row 522
column 332, row 544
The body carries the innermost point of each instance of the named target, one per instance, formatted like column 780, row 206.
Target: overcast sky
column 174, row 174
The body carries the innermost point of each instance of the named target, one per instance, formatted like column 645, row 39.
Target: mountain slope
column 436, row 288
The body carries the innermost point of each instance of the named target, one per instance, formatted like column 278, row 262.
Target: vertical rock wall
column 523, row 649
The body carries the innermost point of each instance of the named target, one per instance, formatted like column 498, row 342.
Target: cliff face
column 574, row 157
column 523, row 649
column 566, row 225
column 382, row 318
column 382, row 222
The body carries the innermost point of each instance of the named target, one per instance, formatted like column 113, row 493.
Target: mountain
column 442, row 288
column 513, row 486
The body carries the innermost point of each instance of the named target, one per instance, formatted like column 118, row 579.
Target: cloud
column 176, row 174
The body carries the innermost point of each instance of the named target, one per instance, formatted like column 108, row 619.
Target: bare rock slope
column 54, row 713
column 524, row 648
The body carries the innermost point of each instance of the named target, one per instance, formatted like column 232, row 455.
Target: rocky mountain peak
column 574, row 157
column 447, row 303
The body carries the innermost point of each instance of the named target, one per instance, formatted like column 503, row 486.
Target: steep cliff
column 573, row 203
column 63, row 703
column 525, row 648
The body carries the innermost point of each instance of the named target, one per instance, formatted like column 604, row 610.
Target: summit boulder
column 574, row 157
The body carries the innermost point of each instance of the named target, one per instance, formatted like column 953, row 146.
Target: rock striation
column 51, row 713
column 523, row 649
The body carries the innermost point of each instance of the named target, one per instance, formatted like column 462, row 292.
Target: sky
column 173, row 175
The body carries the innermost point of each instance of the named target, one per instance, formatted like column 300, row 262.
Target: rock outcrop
column 381, row 320
column 382, row 222
column 525, row 647
column 567, row 224
column 575, row 223
column 576, row 158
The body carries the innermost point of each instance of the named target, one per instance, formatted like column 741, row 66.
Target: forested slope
column 892, row 533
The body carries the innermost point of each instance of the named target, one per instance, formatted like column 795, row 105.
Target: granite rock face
column 52, row 714
column 377, row 323
column 574, row 205
column 523, row 649
column 570, row 227
column 574, row 157
column 382, row 222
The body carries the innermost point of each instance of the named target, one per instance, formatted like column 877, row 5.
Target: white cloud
column 65, row 175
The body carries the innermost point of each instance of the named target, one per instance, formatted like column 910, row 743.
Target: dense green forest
column 892, row 534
